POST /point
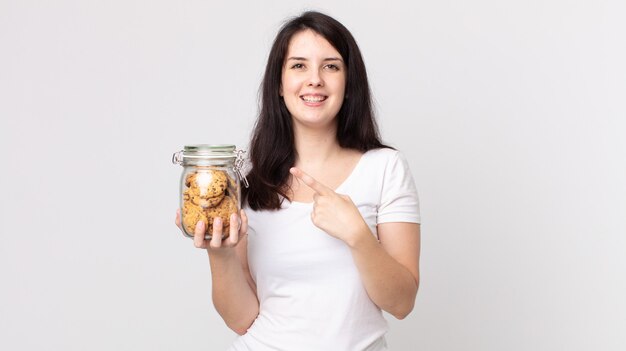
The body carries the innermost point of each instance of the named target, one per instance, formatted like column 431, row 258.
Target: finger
column 315, row 197
column 311, row 182
column 244, row 224
column 177, row 221
column 198, row 236
column 233, row 238
column 216, row 240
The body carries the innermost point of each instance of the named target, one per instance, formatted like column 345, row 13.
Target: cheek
column 340, row 86
column 289, row 84
column 340, row 92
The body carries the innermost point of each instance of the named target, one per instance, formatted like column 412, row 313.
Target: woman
column 330, row 235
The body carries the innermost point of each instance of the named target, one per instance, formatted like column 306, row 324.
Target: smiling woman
column 329, row 234
column 313, row 80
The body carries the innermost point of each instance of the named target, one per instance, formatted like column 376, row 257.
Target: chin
column 316, row 122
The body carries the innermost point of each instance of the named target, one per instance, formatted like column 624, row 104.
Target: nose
column 315, row 80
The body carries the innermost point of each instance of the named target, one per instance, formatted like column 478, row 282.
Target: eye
column 297, row 66
column 332, row 67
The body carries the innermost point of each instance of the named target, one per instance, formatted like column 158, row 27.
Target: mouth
column 313, row 98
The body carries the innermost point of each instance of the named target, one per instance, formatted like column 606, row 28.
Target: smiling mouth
column 313, row 98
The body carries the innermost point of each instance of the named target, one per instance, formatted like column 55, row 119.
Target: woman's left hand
column 334, row 213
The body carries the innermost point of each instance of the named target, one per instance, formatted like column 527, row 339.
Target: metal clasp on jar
column 177, row 158
column 239, row 161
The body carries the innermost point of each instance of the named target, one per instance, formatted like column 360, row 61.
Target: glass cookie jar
column 209, row 185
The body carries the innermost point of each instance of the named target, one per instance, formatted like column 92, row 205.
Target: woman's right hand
column 216, row 244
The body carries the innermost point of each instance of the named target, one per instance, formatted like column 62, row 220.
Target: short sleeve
column 399, row 200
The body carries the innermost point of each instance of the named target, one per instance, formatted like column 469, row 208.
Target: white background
column 511, row 113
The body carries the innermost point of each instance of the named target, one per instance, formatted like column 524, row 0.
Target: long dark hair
column 272, row 150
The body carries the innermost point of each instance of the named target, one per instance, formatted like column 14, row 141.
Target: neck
column 315, row 146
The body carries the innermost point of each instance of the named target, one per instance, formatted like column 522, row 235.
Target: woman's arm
column 389, row 269
column 234, row 291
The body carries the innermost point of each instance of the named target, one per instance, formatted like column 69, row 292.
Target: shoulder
column 383, row 152
column 385, row 157
column 390, row 166
column 381, row 166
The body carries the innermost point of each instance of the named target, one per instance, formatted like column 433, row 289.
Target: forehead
column 309, row 44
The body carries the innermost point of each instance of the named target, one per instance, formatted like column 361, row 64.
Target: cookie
column 225, row 208
column 192, row 214
column 210, row 193
column 208, row 183
column 205, row 202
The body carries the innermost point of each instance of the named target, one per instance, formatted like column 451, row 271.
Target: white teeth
column 313, row 98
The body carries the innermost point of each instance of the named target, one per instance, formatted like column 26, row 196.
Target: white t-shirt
column 310, row 293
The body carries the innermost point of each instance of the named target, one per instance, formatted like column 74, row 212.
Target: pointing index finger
column 318, row 187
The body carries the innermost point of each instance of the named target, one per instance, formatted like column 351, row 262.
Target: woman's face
column 313, row 80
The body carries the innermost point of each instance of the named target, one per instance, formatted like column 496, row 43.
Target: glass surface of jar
column 209, row 186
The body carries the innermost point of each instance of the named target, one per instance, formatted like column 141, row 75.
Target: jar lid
column 209, row 150
column 213, row 152
column 205, row 151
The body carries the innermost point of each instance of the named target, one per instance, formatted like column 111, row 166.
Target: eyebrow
column 296, row 58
